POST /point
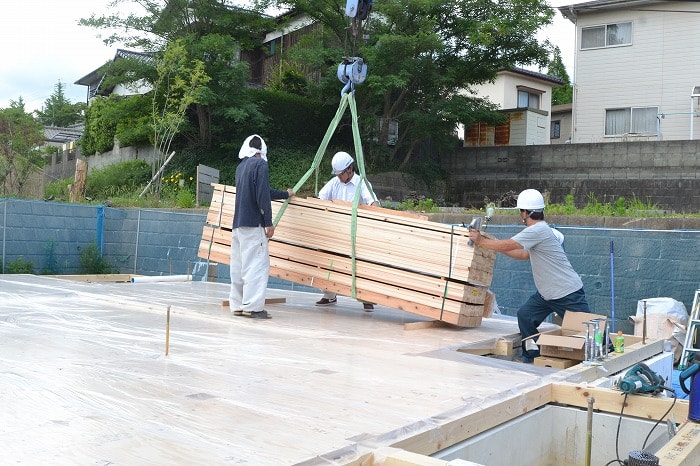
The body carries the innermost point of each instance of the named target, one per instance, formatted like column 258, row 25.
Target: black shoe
column 326, row 301
column 368, row 307
column 237, row 313
column 260, row 315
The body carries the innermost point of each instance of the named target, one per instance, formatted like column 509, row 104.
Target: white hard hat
column 341, row 161
column 530, row 199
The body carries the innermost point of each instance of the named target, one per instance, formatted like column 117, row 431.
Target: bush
column 92, row 262
column 118, row 179
column 19, row 265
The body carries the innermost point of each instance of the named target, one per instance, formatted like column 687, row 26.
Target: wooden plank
column 116, row 278
column 400, row 261
column 379, row 252
column 484, row 416
column 683, row 449
column 225, row 302
column 610, row 400
column 424, row 324
column 453, row 312
column 617, row 362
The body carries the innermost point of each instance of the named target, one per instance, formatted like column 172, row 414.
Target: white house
column 95, row 79
column 636, row 74
column 526, row 96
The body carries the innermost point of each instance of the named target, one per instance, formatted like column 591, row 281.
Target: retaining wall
column 647, row 262
column 667, row 173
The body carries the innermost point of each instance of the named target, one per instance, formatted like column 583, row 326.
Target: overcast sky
column 43, row 44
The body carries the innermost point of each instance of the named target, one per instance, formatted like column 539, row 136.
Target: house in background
column 95, row 79
column 526, row 97
column 637, row 77
column 560, row 127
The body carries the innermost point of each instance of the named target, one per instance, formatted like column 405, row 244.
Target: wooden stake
column 167, row 331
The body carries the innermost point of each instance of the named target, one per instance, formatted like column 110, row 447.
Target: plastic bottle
column 598, row 338
column 619, row 342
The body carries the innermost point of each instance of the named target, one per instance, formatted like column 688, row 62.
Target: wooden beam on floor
column 93, row 278
column 502, row 346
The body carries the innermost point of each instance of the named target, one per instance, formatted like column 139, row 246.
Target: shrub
column 117, row 179
column 20, row 265
column 92, row 262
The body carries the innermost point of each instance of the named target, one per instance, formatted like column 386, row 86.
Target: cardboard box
column 569, row 341
column 557, row 363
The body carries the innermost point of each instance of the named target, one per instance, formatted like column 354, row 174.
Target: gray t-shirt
column 553, row 274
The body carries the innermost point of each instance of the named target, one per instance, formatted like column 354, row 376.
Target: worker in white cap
column 559, row 287
column 252, row 228
column 343, row 187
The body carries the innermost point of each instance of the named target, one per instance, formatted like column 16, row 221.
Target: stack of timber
column 402, row 261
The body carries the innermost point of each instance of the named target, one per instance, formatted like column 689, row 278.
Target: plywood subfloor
column 84, row 377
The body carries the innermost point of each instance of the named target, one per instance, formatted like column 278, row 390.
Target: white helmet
column 530, row 199
column 341, row 161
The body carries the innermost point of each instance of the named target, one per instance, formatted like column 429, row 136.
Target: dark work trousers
column 536, row 309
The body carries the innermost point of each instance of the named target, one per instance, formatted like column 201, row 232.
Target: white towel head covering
column 248, row 151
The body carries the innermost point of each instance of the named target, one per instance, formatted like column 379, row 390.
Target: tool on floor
column 641, row 379
column 475, row 224
column 692, row 372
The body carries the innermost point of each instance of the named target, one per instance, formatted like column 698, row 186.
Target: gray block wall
column 665, row 172
column 647, row 263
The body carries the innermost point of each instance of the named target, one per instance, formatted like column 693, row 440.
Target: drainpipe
column 693, row 94
column 100, row 228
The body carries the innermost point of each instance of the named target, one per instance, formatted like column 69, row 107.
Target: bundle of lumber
column 401, row 260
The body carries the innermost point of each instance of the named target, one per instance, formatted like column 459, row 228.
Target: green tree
column 180, row 83
column 422, row 57
column 60, row 111
column 20, row 136
column 126, row 119
column 562, row 94
column 211, row 31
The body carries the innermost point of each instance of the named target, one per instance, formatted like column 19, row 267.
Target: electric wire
column 673, row 403
column 644, row 444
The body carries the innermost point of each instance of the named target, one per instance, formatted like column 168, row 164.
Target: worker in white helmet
column 559, row 287
column 343, row 187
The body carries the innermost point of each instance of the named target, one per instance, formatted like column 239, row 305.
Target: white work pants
column 250, row 269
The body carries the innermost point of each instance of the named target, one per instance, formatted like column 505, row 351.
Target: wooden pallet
column 401, row 260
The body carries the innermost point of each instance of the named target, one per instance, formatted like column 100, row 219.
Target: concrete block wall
column 648, row 263
column 667, row 173
column 154, row 242
column 48, row 235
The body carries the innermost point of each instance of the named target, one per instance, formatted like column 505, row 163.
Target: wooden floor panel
column 85, row 378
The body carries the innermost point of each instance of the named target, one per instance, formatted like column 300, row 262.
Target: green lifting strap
column 359, row 163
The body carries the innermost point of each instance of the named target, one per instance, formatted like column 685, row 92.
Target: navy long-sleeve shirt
column 253, row 194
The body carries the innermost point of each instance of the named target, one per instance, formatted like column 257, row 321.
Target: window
column 528, row 99
column 608, row 35
column 631, row 120
column 555, row 129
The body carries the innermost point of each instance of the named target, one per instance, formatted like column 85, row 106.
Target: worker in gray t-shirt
column 559, row 287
